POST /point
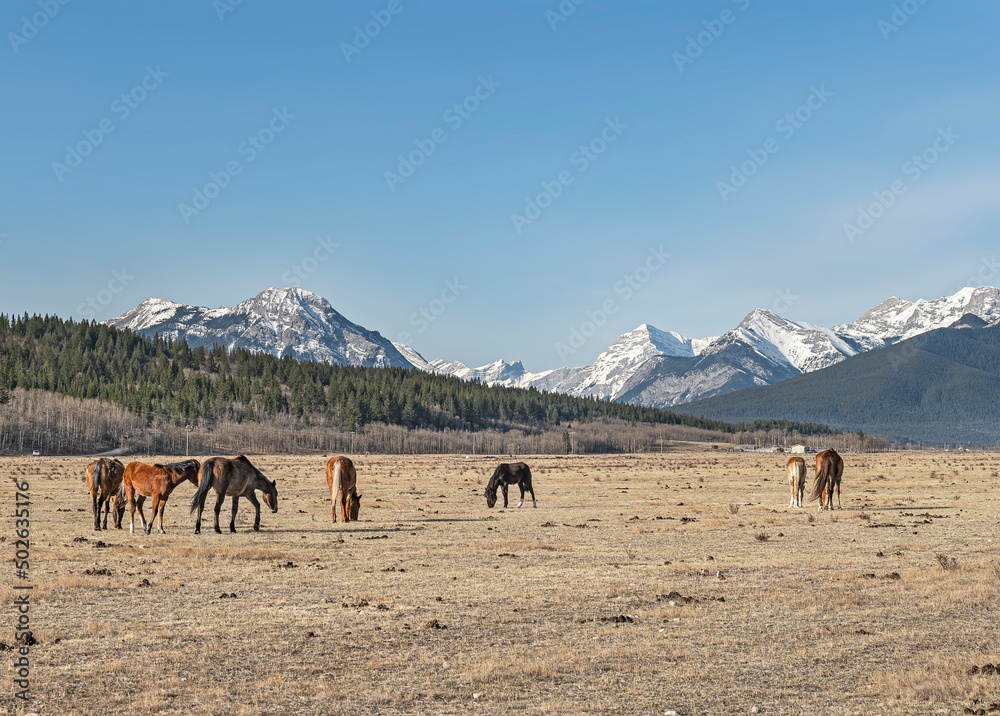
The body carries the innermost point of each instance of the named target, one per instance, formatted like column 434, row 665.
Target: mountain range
column 646, row 366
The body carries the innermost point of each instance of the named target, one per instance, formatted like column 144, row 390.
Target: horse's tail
column 337, row 480
column 95, row 474
column 205, row 478
column 122, row 492
column 822, row 478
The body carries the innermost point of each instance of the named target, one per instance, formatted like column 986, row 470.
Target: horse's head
column 270, row 494
column 353, row 505
column 191, row 471
column 491, row 496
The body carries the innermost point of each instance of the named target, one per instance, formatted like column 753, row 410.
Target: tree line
column 166, row 386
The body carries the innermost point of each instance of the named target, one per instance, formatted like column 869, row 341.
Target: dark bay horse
column 510, row 473
column 141, row 480
column 342, row 479
column 104, row 478
column 234, row 477
column 829, row 469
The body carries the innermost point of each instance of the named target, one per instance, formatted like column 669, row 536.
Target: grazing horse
column 342, row 479
column 510, row 473
column 796, row 480
column 234, row 477
column 829, row 469
column 142, row 480
column 104, row 478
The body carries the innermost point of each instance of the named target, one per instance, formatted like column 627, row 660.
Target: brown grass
column 565, row 609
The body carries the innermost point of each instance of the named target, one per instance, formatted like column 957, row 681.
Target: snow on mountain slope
column 895, row 319
column 279, row 321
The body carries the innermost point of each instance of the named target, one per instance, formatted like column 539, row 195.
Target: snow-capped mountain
column 895, row 320
column 765, row 348
column 279, row 321
column 646, row 365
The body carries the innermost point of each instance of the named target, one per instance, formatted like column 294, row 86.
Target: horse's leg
column 119, row 511
column 342, row 498
column 521, row 486
column 232, row 518
column 97, row 510
column 163, row 506
column 504, row 487
column 531, row 489
column 256, row 504
column 218, row 509
column 333, row 505
column 155, row 501
column 838, row 496
column 131, row 510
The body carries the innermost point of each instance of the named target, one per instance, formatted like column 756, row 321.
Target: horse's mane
column 495, row 479
column 179, row 467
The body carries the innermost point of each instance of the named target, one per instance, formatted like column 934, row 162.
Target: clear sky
column 545, row 154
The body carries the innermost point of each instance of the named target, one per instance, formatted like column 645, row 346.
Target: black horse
column 510, row 473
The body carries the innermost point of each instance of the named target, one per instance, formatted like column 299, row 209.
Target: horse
column 510, row 473
column 829, row 469
column 235, row 477
column 796, row 480
column 142, row 480
column 342, row 479
column 104, row 477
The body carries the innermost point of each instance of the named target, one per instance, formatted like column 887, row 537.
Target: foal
column 156, row 481
column 796, row 480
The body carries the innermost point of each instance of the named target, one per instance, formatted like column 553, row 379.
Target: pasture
column 640, row 585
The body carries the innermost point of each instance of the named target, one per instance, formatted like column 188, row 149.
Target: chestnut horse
column 510, row 473
column 104, row 477
column 829, row 469
column 142, row 480
column 235, row 477
column 796, row 480
column 342, row 479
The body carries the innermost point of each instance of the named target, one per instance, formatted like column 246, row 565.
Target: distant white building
column 798, row 449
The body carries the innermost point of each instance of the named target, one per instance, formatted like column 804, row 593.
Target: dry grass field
column 640, row 585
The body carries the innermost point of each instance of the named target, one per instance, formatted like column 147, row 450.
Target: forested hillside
column 156, row 380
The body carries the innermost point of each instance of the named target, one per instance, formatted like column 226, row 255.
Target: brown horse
column 829, row 469
column 235, row 477
column 104, row 477
column 796, row 480
column 156, row 481
column 342, row 479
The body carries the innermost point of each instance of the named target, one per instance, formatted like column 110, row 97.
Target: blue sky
column 642, row 109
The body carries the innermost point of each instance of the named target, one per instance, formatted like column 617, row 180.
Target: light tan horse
column 342, row 479
column 234, row 477
column 104, row 478
column 796, row 480
column 829, row 469
column 142, row 480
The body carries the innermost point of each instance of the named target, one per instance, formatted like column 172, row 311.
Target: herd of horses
column 113, row 486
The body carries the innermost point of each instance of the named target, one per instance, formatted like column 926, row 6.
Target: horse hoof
column 256, row 528
column 197, row 532
column 218, row 531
